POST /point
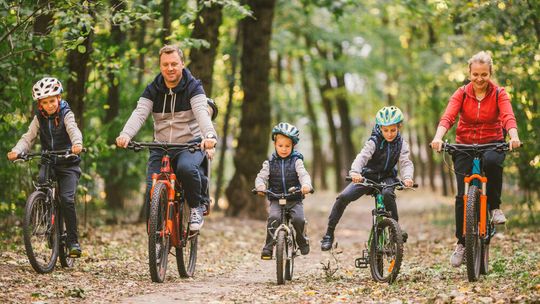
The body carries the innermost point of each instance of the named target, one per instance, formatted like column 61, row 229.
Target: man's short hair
column 167, row 49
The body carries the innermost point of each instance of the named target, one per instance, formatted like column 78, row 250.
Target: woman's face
column 479, row 75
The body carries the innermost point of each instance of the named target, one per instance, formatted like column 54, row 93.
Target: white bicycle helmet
column 48, row 86
column 288, row 130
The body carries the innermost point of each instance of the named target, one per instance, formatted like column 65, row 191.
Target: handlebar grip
column 415, row 185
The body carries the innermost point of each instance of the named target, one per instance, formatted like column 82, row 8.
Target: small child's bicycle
column 284, row 237
column 44, row 229
column 168, row 222
column 384, row 252
column 478, row 229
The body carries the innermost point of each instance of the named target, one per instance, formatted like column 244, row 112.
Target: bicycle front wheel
column 290, row 252
column 473, row 250
column 386, row 251
column 186, row 255
column 158, row 237
column 40, row 230
column 280, row 257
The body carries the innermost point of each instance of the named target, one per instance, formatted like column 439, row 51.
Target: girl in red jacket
column 484, row 111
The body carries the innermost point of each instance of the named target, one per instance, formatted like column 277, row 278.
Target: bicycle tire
column 280, row 255
column 472, row 237
column 40, row 232
column 290, row 252
column 186, row 255
column 386, row 246
column 158, row 242
column 65, row 260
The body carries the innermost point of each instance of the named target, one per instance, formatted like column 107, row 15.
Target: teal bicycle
column 384, row 252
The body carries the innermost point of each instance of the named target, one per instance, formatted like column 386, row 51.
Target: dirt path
column 114, row 266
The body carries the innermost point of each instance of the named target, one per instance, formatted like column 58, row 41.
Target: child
column 376, row 162
column 284, row 170
column 57, row 129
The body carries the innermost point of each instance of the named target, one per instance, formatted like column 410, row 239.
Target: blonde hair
column 167, row 49
column 482, row 57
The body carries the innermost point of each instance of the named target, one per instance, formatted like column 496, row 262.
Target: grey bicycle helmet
column 288, row 130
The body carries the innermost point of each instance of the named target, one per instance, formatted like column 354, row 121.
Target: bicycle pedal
column 361, row 263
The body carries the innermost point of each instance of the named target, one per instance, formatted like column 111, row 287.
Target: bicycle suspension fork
column 482, row 225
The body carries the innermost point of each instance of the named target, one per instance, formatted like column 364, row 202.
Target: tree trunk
column 431, row 161
column 141, row 45
column 202, row 60
column 42, row 27
column 421, row 161
column 346, row 128
column 228, row 112
column 166, row 30
column 317, row 163
column 78, row 69
column 255, row 122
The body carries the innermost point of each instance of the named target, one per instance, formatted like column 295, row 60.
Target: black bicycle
column 44, row 228
column 384, row 252
column 284, row 237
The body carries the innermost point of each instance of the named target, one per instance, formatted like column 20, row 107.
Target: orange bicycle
column 168, row 222
column 478, row 229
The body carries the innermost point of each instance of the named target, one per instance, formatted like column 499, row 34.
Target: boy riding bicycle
column 377, row 162
column 284, row 169
column 55, row 124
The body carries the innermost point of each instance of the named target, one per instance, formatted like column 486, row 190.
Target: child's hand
column 357, row 177
column 306, row 189
column 12, row 155
column 260, row 190
column 76, row 148
column 408, row 182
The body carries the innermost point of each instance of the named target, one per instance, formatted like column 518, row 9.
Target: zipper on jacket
column 50, row 133
column 283, row 176
column 387, row 156
column 476, row 123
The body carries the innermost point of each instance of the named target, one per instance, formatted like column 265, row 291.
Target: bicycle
column 169, row 219
column 384, row 252
column 44, row 229
column 478, row 229
column 284, row 237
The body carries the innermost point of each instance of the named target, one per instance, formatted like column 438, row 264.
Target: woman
column 484, row 113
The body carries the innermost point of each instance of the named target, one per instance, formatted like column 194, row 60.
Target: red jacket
column 480, row 122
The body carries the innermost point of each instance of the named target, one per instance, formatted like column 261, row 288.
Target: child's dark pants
column 296, row 211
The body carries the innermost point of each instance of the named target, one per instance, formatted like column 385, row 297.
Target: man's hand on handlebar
column 356, row 177
column 76, row 149
column 122, row 141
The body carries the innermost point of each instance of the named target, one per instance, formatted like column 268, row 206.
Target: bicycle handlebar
column 369, row 183
column 281, row 195
column 65, row 154
column 138, row 146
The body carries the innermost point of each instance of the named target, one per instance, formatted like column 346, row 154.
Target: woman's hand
column 514, row 139
column 357, row 178
column 76, row 149
column 436, row 144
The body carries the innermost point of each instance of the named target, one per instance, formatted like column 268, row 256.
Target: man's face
column 390, row 132
column 50, row 104
column 171, row 66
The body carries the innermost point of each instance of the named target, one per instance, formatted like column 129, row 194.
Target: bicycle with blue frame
column 478, row 228
column 44, row 229
column 284, row 236
column 384, row 252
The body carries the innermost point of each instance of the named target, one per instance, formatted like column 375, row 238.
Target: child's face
column 283, row 145
column 50, row 104
column 390, row 132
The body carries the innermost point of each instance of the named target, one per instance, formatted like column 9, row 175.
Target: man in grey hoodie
column 181, row 114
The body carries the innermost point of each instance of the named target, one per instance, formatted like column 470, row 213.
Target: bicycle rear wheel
column 65, row 260
column 158, row 238
column 280, row 256
column 40, row 230
column 186, row 255
column 473, row 250
column 386, row 251
column 290, row 252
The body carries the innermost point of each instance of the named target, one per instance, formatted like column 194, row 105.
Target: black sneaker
column 75, row 250
column 326, row 242
column 266, row 254
column 404, row 236
column 304, row 249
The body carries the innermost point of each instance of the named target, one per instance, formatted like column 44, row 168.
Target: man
column 181, row 114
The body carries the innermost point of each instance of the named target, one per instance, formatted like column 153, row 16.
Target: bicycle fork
column 482, row 224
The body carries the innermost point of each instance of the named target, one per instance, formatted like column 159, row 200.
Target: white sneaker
column 196, row 220
column 457, row 256
column 497, row 216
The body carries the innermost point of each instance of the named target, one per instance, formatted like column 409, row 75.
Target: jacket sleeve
column 262, row 177
column 452, row 109
column 363, row 157
column 199, row 106
column 406, row 166
column 72, row 129
column 506, row 114
column 27, row 140
column 138, row 117
column 303, row 175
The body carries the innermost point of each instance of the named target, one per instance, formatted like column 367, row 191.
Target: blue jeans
column 189, row 168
